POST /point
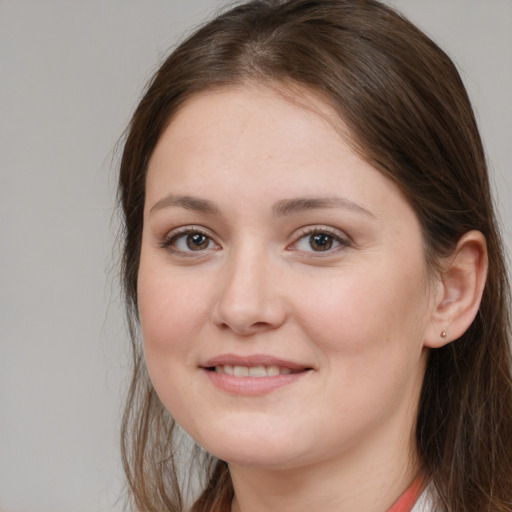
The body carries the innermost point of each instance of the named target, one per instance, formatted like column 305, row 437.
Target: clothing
column 424, row 503
column 414, row 499
column 406, row 502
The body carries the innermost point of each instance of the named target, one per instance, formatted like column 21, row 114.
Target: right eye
column 190, row 240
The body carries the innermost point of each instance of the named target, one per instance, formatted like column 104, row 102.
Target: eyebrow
column 188, row 202
column 299, row 205
column 282, row 208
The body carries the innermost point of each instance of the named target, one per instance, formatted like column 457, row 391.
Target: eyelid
column 171, row 236
column 340, row 236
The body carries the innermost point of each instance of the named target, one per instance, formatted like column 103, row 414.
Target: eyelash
column 333, row 235
column 174, row 236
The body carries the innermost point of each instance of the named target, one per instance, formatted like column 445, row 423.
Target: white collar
column 424, row 503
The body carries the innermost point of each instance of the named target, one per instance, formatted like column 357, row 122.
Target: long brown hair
column 410, row 117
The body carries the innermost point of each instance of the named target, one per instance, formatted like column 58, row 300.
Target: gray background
column 71, row 72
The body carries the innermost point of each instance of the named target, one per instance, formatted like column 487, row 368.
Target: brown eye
column 321, row 242
column 197, row 241
column 189, row 241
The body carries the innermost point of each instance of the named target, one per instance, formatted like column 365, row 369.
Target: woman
column 312, row 255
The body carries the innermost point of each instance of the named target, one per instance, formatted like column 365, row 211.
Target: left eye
column 319, row 241
column 195, row 241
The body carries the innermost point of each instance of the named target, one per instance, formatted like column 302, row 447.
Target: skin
column 356, row 316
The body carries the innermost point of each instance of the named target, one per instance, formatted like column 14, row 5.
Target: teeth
column 240, row 371
column 257, row 371
column 273, row 371
column 253, row 371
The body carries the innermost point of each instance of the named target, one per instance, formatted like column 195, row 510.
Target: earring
column 443, row 334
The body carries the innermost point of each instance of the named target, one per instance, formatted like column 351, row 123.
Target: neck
column 369, row 479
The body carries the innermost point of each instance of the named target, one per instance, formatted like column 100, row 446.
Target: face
column 283, row 290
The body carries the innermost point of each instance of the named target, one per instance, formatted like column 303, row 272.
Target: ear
column 459, row 291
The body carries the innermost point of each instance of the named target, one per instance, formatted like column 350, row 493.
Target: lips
column 255, row 363
column 252, row 375
column 253, row 371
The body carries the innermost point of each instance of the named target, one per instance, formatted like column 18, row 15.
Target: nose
column 250, row 296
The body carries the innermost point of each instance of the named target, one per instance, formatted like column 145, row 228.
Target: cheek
column 170, row 312
column 171, row 316
column 368, row 326
column 360, row 311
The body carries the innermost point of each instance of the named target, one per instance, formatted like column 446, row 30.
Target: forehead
column 254, row 120
column 249, row 147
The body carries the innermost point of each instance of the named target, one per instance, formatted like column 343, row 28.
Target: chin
column 251, row 447
column 262, row 458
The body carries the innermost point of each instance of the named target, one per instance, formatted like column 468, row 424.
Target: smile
column 252, row 375
column 253, row 371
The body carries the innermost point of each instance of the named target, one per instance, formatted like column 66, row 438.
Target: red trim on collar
column 406, row 502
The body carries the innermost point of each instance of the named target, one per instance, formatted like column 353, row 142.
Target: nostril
column 245, row 329
column 260, row 325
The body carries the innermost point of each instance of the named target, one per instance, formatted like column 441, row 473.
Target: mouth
column 258, row 371
column 252, row 375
